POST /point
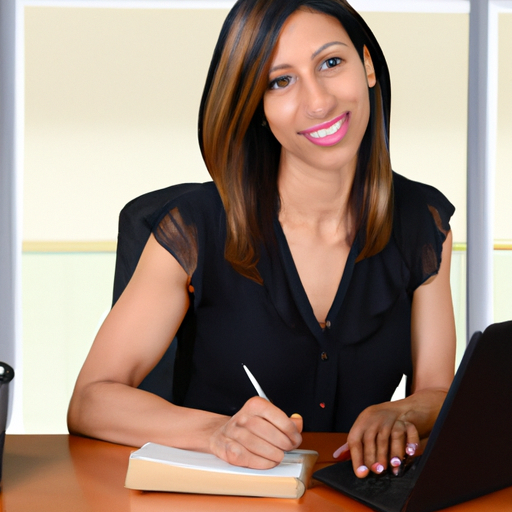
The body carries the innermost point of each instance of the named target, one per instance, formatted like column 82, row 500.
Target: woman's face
column 317, row 103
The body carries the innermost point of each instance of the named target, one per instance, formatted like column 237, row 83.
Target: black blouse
column 328, row 375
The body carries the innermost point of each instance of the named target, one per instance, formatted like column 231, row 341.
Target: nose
column 318, row 101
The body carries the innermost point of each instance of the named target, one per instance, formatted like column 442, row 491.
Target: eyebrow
column 320, row 50
column 326, row 45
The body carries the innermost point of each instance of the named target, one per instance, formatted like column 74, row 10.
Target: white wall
column 112, row 98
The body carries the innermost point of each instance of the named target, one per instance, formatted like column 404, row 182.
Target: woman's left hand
column 384, row 434
column 380, row 437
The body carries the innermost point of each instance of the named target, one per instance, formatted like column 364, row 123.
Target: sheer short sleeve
column 182, row 224
column 179, row 238
column 421, row 224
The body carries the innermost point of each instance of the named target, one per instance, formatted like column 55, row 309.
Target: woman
column 307, row 259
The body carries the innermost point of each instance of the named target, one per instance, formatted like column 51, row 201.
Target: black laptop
column 469, row 452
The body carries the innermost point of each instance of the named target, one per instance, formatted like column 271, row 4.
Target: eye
column 280, row 82
column 331, row 63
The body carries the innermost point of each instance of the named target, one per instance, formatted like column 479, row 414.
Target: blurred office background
column 111, row 101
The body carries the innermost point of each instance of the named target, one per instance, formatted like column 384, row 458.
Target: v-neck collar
column 299, row 293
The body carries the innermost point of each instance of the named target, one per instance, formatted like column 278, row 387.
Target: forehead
column 309, row 30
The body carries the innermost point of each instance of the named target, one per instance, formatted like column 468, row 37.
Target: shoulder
column 421, row 222
column 195, row 204
column 139, row 217
column 415, row 199
column 188, row 221
column 152, row 206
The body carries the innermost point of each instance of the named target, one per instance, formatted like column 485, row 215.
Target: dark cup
column 6, row 375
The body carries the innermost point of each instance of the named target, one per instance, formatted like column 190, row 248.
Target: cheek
column 279, row 112
column 366, row 109
column 356, row 93
column 360, row 99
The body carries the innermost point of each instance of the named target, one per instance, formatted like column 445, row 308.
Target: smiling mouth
column 320, row 134
column 328, row 133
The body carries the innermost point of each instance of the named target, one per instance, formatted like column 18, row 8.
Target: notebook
column 469, row 451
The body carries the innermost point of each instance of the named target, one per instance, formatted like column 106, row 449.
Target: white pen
column 255, row 383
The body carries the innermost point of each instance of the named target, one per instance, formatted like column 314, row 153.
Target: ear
column 368, row 66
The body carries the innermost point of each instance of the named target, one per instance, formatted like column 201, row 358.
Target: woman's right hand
column 257, row 436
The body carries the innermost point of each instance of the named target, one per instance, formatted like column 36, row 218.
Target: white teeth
column 323, row 133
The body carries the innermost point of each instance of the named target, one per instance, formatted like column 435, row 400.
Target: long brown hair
column 243, row 157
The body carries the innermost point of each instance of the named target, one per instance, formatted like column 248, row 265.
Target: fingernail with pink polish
column 377, row 468
column 411, row 448
column 395, row 462
column 361, row 469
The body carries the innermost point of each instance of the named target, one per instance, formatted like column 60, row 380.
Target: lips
column 328, row 133
column 320, row 134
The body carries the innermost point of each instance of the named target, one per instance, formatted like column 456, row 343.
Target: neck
column 316, row 199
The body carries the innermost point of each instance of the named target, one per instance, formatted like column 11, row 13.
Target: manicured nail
column 395, row 462
column 411, row 448
column 396, row 471
column 377, row 468
column 361, row 469
column 340, row 450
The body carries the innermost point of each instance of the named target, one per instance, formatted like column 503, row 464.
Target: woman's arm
column 382, row 432
column 106, row 403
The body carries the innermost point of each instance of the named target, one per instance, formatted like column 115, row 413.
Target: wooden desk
column 63, row 473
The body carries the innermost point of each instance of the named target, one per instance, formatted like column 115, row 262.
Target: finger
column 356, row 453
column 370, row 448
column 235, row 453
column 261, row 437
column 382, row 444
column 397, row 444
column 405, row 443
column 256, row 432
column 239, row 446
column 299, row 422
column 362, row 471
column 289, row 427
column 277, row 428
column 413, row 439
